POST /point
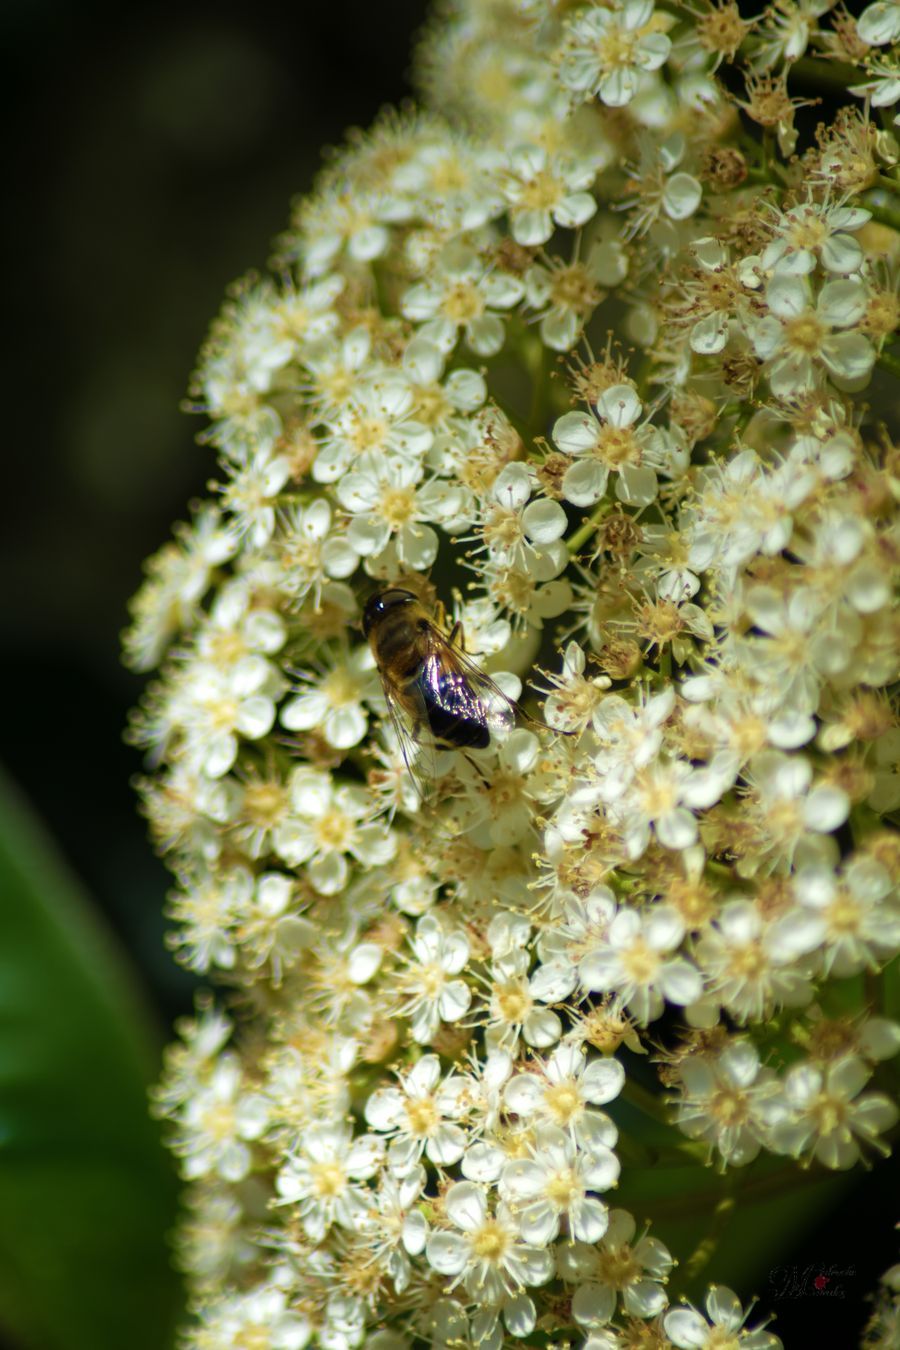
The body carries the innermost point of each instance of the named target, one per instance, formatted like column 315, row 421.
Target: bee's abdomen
column 465, row 732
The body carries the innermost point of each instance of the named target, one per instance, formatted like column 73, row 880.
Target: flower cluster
column 573, row 352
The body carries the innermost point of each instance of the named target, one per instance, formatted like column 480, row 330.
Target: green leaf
column 87, row 1194
column 734, row 1229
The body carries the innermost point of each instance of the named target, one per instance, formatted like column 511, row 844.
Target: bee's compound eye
column 373, row 611
column 381, row 603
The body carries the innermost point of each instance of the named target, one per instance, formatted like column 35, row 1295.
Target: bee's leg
column 457, row 637
column 478, row 770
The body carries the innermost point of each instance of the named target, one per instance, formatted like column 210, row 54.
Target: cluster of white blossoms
column 596, row 350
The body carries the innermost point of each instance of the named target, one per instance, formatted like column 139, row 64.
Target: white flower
column 552, row 1185
column 629, row 736
column 377, row 419
column 335, row 706
column 688, row 1330
column 462, row 294
column 513, row 1010
column 311, row 548
column 749, row 964
column 616, row 1268
column 660, row 797
column 386, row 504
column 250, row 496
column 853, row 918
column 827, row 1114
column 565, row 295
column 724, row 1098
column 636, row 962
column 573, row 697
column 324, row 1177
column 543, row 189
column 348, row 219
column 394, row 1227
column 811, row 230
column 790, row 656
column 605, row 51
column 561, row 1090
column 218, row 706
column 259, row 1316
column 177, row 579
column 797, row 339
column 430, row 995
column 417, row 1115
column 516, row 529
column 609, row 441
column 485, row 1252
column 327, row 824
column 217, row 1122
column 789, row 807
column 207, row 914
column 879, row 24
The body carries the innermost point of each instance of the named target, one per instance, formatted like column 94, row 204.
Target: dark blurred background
column 151, row 156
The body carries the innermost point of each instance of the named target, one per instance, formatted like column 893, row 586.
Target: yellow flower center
column 805, row 333
column 422, row 1116
column 563, row 1102
column 563, row 1188
column 541, row 192
column 640, row 962
column 513, row 1001
column 340, row 688
column 328, row 1179
column 491, row 1242
column 463, row 302
column 397, row 506
column 615, row 446
column 333, row 830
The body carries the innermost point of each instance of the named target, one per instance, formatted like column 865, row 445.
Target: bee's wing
column 418, row 754
column 466, row 691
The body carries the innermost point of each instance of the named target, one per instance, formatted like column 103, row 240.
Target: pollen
column 805, row 333
column 264, row 803
column 463, row 303
column 616, row 446
column 491, row 1242
column 397, row 506
column 513, row 1001
column 563, row 1188
column 334, row 830
column 641, row 962
column 563, row 1102
column 328, row 1179
column 368, row 433
column 340, row 688
column 422, row 1116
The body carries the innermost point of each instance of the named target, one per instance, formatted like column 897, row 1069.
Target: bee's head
column 382, row 603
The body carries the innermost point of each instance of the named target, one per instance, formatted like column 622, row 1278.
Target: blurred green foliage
column 87, row 1193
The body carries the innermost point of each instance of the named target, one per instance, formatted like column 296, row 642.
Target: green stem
column 885, row 215
column 791, row 1177
column 646, row 1101
column 889, row 363
column 703, row 1253
column 834, row 75
column 535, row 356
column 584, row 532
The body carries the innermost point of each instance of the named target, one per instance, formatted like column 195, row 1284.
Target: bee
column 434, row 692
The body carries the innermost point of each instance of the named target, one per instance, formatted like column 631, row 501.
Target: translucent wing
column 465, row 706
column 418, row 754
